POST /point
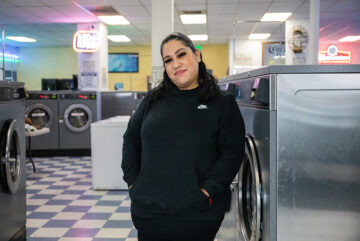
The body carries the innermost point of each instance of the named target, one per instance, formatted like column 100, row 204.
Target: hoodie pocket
column 169, row 187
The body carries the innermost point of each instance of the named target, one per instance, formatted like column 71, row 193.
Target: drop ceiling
column 53, row 22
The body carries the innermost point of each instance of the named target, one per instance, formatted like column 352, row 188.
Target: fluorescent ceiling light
column 114, row 20
column 349, row 39
column 275, row 17
column 200, row 37
column 193, row 18
column 259, row 36
column 118, row 38
column 21, row 39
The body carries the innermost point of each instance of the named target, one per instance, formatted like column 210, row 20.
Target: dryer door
column 40, row 114
column 78, row 117
column 10, row 167
column 249, row 201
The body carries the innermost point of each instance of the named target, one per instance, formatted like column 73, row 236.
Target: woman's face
column 181, row 64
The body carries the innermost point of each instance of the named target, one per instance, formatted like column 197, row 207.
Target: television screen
column 50, row 84
column 68, row 84
column 123, row 63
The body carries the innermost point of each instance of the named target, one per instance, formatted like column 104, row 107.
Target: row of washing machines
column 69, row 114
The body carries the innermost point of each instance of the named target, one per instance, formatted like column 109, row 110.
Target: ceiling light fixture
column 259, row 36
column 119, row 38
column 275, row 17
column 198, row 37
column 349, row 39
column 193, row 18
column 21, row 39
column 114, row 20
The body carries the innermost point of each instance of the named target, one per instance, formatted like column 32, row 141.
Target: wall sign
column 334, row 56
column 298, row 38
column 273, row 53
column 86, row 41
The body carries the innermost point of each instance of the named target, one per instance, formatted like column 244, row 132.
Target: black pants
column 166, row 229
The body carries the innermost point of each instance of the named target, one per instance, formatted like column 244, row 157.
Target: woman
column 182, row 148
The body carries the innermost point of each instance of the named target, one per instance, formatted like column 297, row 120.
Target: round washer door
column 78, row 117
column 249, row 201
column 10, row 155
column 40, row 114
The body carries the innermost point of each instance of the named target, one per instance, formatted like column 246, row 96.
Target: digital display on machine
column 42, row 96
column 90, row 96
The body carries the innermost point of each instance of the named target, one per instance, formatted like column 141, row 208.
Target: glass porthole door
column 249, row 201
column 10, row 167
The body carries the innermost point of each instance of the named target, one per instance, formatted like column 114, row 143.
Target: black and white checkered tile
column 61, row 204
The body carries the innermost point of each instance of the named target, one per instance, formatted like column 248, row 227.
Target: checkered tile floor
column 61, row 204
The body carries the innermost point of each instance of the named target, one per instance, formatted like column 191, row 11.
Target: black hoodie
column 179, row 145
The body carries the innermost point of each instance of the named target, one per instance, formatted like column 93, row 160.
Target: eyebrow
column 175, row 52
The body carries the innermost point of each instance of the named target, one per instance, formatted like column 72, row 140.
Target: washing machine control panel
column 33, row 96
column 78, row 96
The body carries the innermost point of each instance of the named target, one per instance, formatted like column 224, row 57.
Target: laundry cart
column 106, row 153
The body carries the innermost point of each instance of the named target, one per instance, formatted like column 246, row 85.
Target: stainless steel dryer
column 42, row 108
column 77, row 110
column 300, row 179
column 12, row 166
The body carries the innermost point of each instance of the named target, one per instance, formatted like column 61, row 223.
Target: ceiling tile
column 224, row 1
column 276, row 7
column 256, row 1
column 27, row 3
column 131, row 10
column 344, row 5
column 264, row 27
column 215, row 19
column 187, row 7
column 148, row 8
column 224, row 8
column 125, row 2
column 93, row 3
column 44, row 12
column 147, row 2
column 196, row 28
column 58, row 3
column 75, row 13
column 4, row 3
column 190, row 2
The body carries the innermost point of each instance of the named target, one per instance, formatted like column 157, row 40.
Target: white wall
column 244, row 55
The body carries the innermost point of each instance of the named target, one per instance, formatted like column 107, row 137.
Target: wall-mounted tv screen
column 123, row 62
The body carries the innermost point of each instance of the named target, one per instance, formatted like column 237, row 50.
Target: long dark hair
column 208, row 82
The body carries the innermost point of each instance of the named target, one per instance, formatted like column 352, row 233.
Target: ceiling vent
column 102, row 11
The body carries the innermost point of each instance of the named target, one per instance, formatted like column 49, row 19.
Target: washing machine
column 42, row 108
column 300, row 179
column 77, row 110
column 12, row 166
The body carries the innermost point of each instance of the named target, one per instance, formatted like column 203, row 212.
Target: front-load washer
column 12, row 165
column 42, row 108
column 77, row 110
column 300, row 179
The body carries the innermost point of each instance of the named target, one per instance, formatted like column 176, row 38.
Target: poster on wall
column 243, row 59
column 273, row 53
column 88, row 77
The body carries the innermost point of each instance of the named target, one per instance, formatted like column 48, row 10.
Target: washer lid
column 40, row 114
column 78, row 117
column 10, row 156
